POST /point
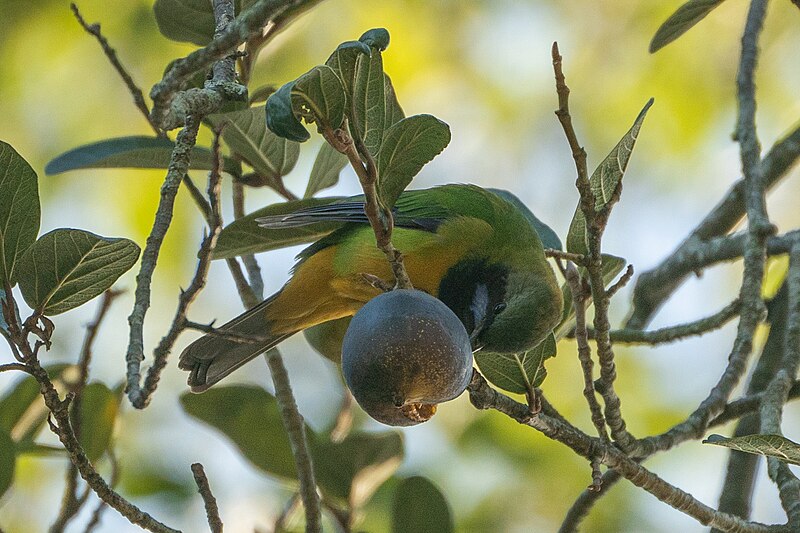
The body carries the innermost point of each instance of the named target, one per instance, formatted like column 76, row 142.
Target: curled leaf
column 377, row 38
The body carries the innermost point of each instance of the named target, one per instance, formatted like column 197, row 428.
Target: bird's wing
column 414, row 209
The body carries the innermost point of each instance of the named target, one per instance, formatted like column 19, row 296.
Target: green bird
column 479, row 251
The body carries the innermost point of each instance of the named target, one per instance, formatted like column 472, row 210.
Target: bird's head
column 504, row 310
column 529, row 310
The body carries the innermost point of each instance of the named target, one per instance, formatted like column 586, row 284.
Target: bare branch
column 225, row 43
column 681, row 331
column 655, row 286
column 759, row 228
column 212, row 511
column 483, row 396
column 70, row 502
column 256, row 286
column 179, row 166
column 224, row 75
column 585, row 351
column 295, row 429
column 595, row 226
column 111, row 54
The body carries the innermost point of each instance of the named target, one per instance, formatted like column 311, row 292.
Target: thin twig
column 295, row 429
column 70, row 503
column 777, row 393
column 256, row 284
column 483, row 396
column 655, row 286
column 380, row 219
column 97, row 514
column 61, row 426
column 179, row 166
column 8, row 367
column 578, row 259
column 595, row 225
column 621, row 282
column 197, row 284
column 165, row 111
column 212, row 511
column 584, row 503
column 681, row 331
column 740, row 475
column 191, row 115
column 759, row 227
column 111, row 54
column 585, row 351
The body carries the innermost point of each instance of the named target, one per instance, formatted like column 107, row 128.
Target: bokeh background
column 483, row 67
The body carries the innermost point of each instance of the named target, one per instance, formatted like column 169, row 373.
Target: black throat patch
column 459, row 285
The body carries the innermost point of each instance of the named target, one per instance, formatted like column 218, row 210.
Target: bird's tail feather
column 215, row 355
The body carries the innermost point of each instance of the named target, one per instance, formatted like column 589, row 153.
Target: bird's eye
column 499, row 308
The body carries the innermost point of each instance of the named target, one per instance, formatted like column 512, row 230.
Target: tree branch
column 655, row 286
column 295, row 429
column 595, row 226
column 585, row 351
column 166, row 110
column 224, row 75
column 70, row 503
column 681, row 331
column 111, row 54
column 380, row 219
column 483, row 396
column 754, row 253
column 212, row 511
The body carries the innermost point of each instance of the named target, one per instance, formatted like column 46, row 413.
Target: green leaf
column 99, row 408
column 419, row 507
column 343, row 62
column 281, row 119
column 325, row 172
column 245, row 236
column 408, row 146
column 250, row 417
column 318, row 96
column 68, row 267
column 8, row 461
column 606, row 184
column 776, row 446
column 189, row 20
column 377, row 38
column 681, row 21
column 517, row 372
column 247, row 135
column 394, row 113
column 612, row 265
column 19, row 210
column 131, row 152
column 368, row 109
column 22, row 411
column 353, row 469
column 148, row 479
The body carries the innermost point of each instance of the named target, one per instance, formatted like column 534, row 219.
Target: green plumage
column 476, row 250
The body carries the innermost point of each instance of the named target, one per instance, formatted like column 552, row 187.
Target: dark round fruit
column 403, row 353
